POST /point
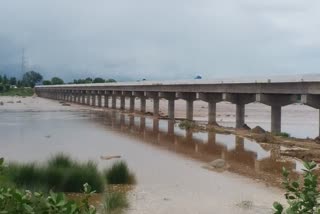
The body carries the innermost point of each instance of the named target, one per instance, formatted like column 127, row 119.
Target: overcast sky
column 160, row 40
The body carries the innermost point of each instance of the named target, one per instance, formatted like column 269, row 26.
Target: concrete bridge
column 275, row 94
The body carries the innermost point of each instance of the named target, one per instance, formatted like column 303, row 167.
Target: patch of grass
column 115, row 202
column 187, row 125
column 23, row 92
column 283, row 134
column 60, row 173
column 119, row 173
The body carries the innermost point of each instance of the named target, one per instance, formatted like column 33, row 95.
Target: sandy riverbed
column 188, row 189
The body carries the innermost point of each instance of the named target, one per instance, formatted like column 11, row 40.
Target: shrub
column 302, row 197
column 187, row 125
column 60, row 173
column 115, row 202
column 119, row 173
column 283, row 134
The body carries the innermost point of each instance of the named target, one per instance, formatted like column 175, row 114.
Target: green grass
column 60, row 173
column 115, row 202
column 119, row 173
column 283, row 134
column 23, row 92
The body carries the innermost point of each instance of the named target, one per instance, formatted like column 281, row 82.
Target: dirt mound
column 258, row 130
column 246, row 127
column 317, row 140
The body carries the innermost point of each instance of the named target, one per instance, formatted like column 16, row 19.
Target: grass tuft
column 119, row 173
column 115, row 202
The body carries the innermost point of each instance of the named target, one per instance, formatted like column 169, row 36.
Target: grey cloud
column 167, row 39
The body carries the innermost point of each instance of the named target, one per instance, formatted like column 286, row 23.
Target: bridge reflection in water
column 243, row 156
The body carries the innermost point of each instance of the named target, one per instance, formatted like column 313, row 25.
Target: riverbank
column 167, row 182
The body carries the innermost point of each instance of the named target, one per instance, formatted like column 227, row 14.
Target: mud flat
column 167, row 183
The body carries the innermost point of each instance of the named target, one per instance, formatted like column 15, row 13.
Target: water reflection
column 246, row 157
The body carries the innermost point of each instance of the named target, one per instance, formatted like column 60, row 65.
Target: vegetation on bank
column 302, row 196
column 119, row 173
column 22, row 92
column 20, row 185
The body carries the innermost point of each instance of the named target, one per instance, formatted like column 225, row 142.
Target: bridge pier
column 155, row 98
column 212, row 99
column 276, row 102
column 313, row 101
column 122, row 102
column 171, row 97
column 132, row 102
column 189, row 98
column 99, row 100
column 93, row 99
column 106, row 101
column 114, row 101
column 240, row 100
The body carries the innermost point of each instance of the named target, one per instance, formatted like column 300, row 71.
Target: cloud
column 167, row 39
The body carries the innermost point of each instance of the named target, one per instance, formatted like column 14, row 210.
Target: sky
column 160, row 40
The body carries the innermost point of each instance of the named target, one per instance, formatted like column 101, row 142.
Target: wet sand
column 167, row 182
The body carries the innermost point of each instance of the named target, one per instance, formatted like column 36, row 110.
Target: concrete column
column 171, row 109
column 88, row 99
column 106, row 101
column 143, row 104
column 156, row 106
column 132, row 101
column 114, row 102
column 276, row 119
column 240, row 115
column 189, row 109
column 212, row 108
column 155, row 125
column 170, row 127
column 99, row 100
column 93, row 100
column 122, row 102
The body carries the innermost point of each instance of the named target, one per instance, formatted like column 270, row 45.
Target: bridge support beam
column 93, row 99
column 313, row 101
column 189, row 98
column 122, row 102
column 240, row 100
column 171, row 97
column 155, row 98
column 99, row 100
column 276, row 102
column 212, row 99
column 142, row 97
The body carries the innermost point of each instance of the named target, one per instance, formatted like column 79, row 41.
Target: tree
column 13, row 81
column 5, row 80
column 98, row 80
column 46, row 82
column 1, row 79
column 56, row 81
column 111, row 80
column 31, row 78
column 88, row 80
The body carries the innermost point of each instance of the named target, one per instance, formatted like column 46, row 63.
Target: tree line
column 32, row 78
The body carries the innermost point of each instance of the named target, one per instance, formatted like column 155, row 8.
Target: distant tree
column 5, row 80
column 98, row 80
column 88, row 80
column 111, row 80
column 56, row 81
column 19, row 83
column 46, row 82
column 13, row 81
column 1, row 78
column 31, row 78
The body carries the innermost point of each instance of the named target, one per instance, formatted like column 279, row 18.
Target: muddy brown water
column 31, row 136
column 167, row 160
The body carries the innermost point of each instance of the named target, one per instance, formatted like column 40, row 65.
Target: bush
column 119, row 174
column 115, row 202
column 283, row 134
column 187, row 125
column 61, row 173
column 302, row 197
